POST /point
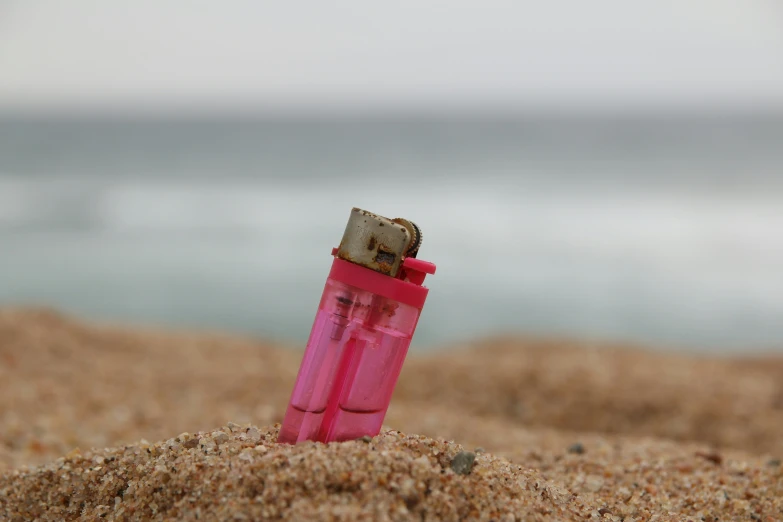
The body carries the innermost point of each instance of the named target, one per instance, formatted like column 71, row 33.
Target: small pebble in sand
column 713, row 456
column 253, row 434
column 593, row 483
column 462, row 463
column 366, row 439
column 207, row 444
column 479, row 450
column 577, row 448
column 773, row 462
column 246, row 454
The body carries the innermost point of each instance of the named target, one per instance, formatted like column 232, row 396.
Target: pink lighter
column 362, row 330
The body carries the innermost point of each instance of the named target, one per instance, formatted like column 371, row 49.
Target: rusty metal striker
column 379, row 243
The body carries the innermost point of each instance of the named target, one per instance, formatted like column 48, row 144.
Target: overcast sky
column 359, row 53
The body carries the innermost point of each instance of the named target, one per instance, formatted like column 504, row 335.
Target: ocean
column 659, row 230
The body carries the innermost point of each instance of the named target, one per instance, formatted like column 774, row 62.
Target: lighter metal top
column 378, row 243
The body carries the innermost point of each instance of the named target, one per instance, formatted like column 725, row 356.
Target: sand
column 567, row 431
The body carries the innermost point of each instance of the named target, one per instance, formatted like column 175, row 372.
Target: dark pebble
column 366, row 439
column 773, row 462
column 713, row 456
column 577, row 448
column 462, row 463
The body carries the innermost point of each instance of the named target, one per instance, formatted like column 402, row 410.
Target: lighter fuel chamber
column 363, row 327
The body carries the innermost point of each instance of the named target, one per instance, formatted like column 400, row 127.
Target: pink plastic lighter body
column 365, row 321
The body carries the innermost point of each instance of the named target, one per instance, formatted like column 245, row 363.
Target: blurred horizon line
column 409, row 113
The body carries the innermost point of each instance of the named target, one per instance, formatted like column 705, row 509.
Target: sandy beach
column 120, row 423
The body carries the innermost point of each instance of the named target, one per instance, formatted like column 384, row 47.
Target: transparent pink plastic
column 350, row 366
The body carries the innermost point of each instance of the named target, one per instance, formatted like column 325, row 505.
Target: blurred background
column 605, row 169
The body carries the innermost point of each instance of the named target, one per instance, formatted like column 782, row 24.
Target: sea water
column 661, row 230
